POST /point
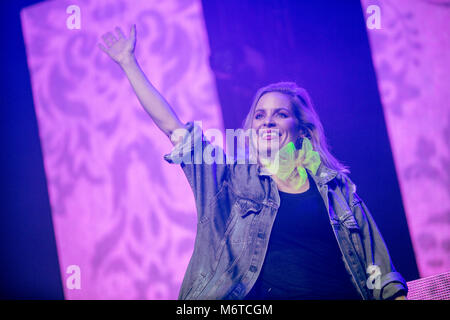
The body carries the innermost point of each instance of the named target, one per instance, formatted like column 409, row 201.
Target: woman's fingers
column 116, row 42
column 133, row 32
column 104, row 49
column 109, row 39
column 120, row 33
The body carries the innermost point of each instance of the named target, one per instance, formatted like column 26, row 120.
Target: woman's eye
column 283, row 115
column 258, row 116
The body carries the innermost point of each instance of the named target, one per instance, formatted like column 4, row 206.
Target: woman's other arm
column 121, row 49
column 392, row 285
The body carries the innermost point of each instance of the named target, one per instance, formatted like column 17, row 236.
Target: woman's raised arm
column 121, row 49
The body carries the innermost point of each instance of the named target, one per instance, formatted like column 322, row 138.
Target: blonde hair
column 308, row 119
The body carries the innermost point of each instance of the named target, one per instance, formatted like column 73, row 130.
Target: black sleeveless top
column 303, row 259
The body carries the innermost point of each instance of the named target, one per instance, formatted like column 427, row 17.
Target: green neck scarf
column 287, row 163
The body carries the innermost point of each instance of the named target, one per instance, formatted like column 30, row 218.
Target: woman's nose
column 269, row 122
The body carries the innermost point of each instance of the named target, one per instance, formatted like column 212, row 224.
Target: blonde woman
column 287, row 229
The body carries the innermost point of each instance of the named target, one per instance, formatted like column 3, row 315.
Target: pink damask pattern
column 120, row 212
column 411, row 54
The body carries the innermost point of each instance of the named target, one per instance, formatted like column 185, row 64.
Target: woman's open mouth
column 269, row 134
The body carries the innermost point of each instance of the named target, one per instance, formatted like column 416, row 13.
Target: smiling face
column 274, row 112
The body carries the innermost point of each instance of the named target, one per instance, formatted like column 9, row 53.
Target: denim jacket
column 236, row 208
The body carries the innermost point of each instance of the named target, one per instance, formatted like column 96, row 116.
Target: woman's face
column 274, row 112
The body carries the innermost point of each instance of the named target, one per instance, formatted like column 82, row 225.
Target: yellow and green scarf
column 287, row 162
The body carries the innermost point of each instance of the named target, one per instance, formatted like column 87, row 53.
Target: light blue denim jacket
column 236, row 208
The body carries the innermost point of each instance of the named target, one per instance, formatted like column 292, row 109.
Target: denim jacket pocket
column 349, row 222
column 235, row 233
column 239, row 231
column 248, row 206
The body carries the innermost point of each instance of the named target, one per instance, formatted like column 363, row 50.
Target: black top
column 303, row 260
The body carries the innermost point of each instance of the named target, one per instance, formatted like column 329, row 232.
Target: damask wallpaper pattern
column 120, row 212
column 411, row 56
column 124, row 215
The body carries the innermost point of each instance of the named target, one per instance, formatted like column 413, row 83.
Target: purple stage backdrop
column 121, row 213
column 127, row 218
column 411, row 55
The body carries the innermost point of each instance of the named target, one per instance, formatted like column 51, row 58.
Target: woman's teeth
column 269, row 134
column 272, row 135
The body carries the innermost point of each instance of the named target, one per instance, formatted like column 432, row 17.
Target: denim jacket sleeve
column 391, row 284
column 205, row 174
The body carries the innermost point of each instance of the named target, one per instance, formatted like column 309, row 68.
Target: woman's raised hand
column 121, row 50
column 118, row 46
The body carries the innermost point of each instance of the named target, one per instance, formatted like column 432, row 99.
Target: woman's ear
column 299, row 141
column 302, row 133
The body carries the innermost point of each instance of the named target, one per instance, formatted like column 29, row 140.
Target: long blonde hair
column 307, row 116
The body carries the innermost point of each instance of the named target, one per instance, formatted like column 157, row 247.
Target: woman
column 289, row 226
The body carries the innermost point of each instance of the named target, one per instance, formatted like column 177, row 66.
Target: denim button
column 253, row 268
column 260, row 235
